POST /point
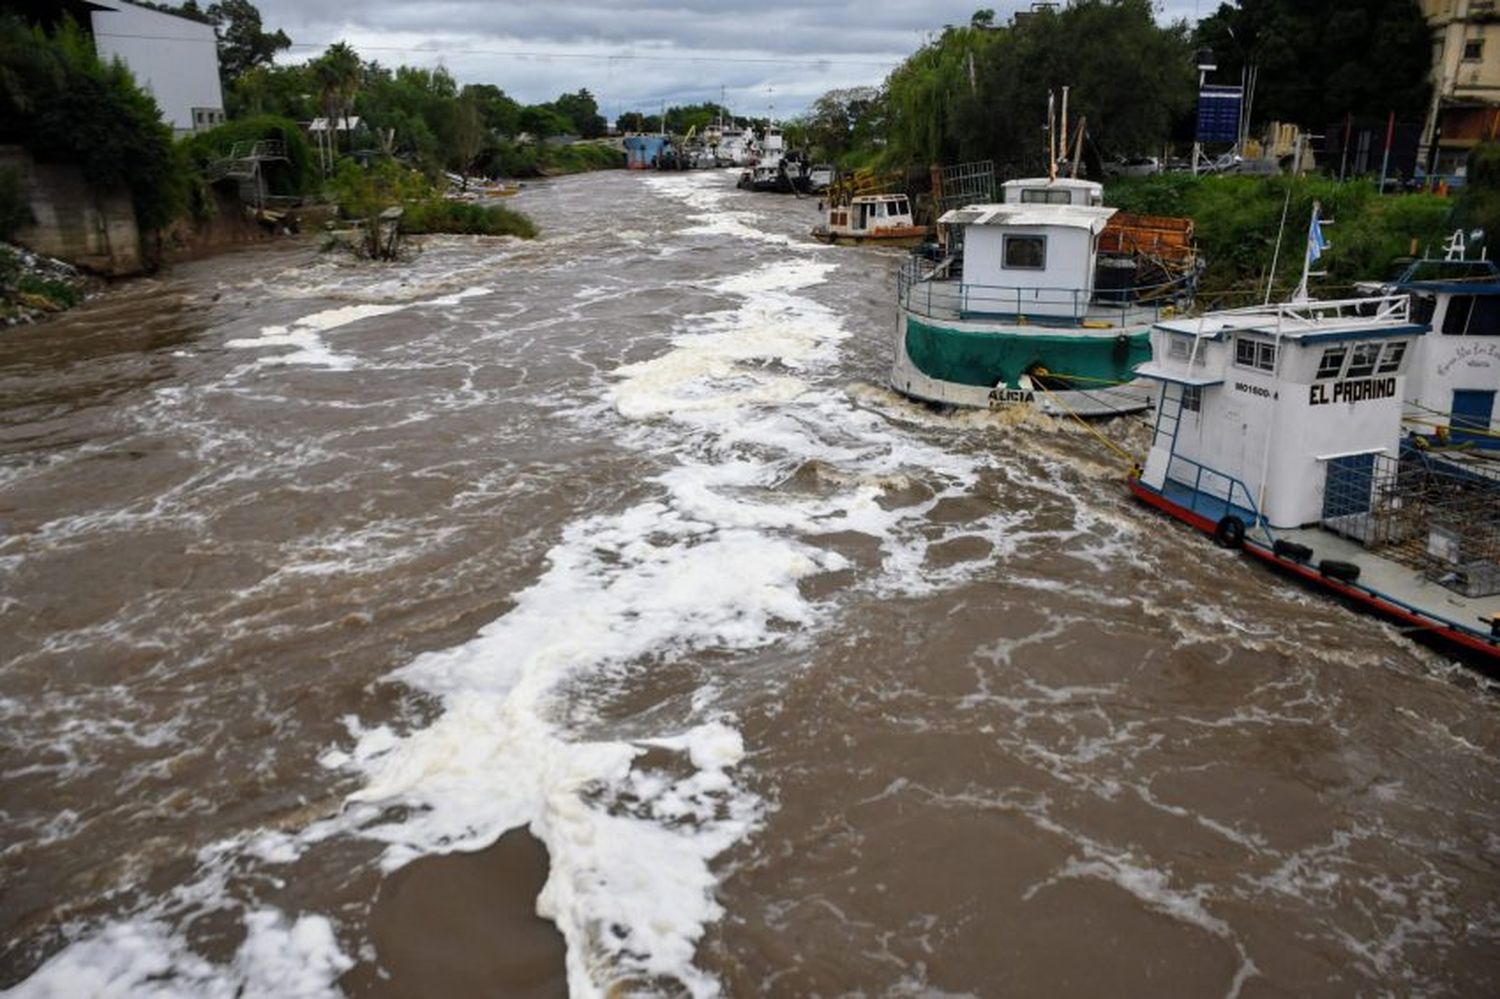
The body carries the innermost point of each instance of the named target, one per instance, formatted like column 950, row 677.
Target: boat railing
column 1391, row 307
column 1215, row 495
column 928, row 288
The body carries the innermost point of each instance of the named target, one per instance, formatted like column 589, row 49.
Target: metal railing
column 1213, row 493
column 927, row 291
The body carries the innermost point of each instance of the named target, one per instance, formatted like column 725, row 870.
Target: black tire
column 1344, row 572
column 1230, row 532
column 1291, row 550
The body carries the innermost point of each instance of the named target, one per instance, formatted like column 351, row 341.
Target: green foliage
column 298, row 175
column 1322, row 59
column 363, row 193
column 466, row 217
column 839, row 123
column 58, row 292
column 582, row 111
column 1479, row 203
column 15, row 210
column 244, row 44
column 66, row 106
column 1236, row 220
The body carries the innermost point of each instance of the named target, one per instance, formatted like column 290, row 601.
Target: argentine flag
column 1316, row 244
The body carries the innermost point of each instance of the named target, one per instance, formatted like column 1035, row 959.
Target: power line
column 523, row 54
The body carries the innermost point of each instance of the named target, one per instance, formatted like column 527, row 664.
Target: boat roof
column 1069, row 183
column 1090, row 217
column 1310, row 321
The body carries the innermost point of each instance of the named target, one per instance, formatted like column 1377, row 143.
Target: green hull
column 999, row 357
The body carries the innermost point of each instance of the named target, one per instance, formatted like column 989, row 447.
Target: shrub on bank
column 1237, row 219
column 434, row 214
column 297, row 174
column 364, row 193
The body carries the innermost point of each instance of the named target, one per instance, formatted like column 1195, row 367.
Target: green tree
column 468, row 135
column 583, row 111
column 337, row 76
column 542, row 120
column 841, row 121
column 244, row 44
column 1319, row 60
column 65, row 105
column 501, row 114
column 980, row 92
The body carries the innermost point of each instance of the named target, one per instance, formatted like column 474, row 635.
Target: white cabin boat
column 1045, row 299
column 1279, row 429
column 1451, row 396
column 880, row 218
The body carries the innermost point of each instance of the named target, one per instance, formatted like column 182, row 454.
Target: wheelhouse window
column 1472, row 315
column 1390, row 359
column 1178, row 348
column 1474, row 50
column 1026, row 252
column 1192, row 398
column 1042, row 196
column 1362, row 360
column 1332, row 362
column 1258, row 354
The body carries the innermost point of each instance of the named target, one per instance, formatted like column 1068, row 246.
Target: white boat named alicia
column 1045, row 299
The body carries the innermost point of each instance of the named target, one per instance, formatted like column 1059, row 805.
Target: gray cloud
column 768, row 55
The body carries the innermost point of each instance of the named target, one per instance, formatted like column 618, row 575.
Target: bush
column 1237, row 219
column 465, row 217
column 61, row 102
column 364, row 193
column 298, row 174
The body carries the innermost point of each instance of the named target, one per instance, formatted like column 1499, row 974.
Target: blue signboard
column 1219, row 113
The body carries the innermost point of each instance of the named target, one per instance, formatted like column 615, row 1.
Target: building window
column 1026, row 252
column 1255, row 354
column 1192, row 398
column 1362, row 362
column 1474, row 50
column 1391, row 359
column 1332, row 362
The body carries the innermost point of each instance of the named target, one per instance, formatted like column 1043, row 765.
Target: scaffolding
column 1438, row 514
column 963, row 184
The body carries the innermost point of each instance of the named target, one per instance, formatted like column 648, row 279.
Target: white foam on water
column 280, row 958
column 303, row 336
column 707, row 193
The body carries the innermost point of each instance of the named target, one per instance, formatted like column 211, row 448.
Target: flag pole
column 1315, row 246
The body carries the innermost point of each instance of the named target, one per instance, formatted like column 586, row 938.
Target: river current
column 586, row 616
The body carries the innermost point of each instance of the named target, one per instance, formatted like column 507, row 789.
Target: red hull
column 1488, row 648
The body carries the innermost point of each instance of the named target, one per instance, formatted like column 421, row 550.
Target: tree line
column 979, row 90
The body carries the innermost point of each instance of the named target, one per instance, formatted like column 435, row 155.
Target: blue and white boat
column 1279, row 431
column 1451, row 395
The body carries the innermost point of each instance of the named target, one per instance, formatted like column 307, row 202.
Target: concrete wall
column 174, row 58
column 74, row 222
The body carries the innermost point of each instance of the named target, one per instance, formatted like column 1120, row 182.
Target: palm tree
column 337, row 75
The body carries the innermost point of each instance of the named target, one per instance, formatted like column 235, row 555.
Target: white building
column 175, row 59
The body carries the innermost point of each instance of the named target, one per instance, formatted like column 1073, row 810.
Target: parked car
column 1136, row 166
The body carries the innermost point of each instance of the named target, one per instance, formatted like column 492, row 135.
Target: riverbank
column 34, row 286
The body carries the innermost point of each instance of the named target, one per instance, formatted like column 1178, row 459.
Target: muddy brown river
column 586, row 616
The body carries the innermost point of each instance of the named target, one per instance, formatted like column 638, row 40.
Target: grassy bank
column 1237, row 220
column 466, row 218
column 530, row 160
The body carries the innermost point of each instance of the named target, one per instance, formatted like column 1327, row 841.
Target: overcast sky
column 770, row 57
